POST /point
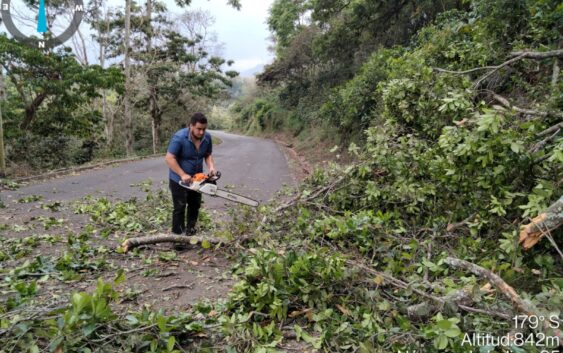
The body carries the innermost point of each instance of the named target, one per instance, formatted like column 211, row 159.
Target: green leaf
column 88, row 329
column 298, row 332
column 55, row 344
column 453, row 332
column 120, row 277
column 205, row 244
column 441, row 342
column 444, row 324
column 133, row 321
column 170, row 344
column 516, row 147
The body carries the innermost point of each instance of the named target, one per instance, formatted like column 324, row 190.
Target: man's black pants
column 181, row 198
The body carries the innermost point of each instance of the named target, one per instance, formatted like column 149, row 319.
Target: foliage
column 88, row 323
column 132, row 215
column 50, row 89
column 322, row 44
column 443, row 170
column 35, row 316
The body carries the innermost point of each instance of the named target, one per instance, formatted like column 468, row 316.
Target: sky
column 243, row 33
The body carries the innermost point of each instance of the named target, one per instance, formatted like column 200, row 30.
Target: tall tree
column 2, row 152
column 55, row 81
column 128, row 120
column 101, row 18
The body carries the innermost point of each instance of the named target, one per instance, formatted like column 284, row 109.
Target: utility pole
column 2, row 152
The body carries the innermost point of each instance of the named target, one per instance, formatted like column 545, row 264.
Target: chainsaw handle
column 215, row 176
column 212, row 178
column 183, row 184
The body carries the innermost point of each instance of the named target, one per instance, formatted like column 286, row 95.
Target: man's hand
column 211, row 171
column 186, row 179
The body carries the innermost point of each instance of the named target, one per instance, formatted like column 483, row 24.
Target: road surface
column 250, row 166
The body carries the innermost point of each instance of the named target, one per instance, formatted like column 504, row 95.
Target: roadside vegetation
column 455, row 126
column 71, row 106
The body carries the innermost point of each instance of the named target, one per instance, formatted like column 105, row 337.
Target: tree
column 2, row 151
column 100, row 18
column 320, row 44
column 54, row 80
column 183, row 68
column 127, row 70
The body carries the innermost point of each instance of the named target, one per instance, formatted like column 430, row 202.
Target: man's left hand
column 212, row 172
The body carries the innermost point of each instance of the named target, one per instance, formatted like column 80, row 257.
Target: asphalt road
column 249, row 166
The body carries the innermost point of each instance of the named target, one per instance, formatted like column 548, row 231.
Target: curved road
column 252, row 166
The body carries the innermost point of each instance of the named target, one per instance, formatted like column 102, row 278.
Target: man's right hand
column 186, row 179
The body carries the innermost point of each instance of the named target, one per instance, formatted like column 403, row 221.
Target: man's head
column 198, row 125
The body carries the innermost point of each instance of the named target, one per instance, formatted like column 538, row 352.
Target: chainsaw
column 207, row 184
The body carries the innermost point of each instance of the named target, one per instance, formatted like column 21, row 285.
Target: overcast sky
column 243, row 32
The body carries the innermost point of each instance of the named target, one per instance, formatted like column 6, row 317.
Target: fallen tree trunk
column 550, row 219
column 132, row 243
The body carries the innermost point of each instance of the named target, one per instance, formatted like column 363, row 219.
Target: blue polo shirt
column 189, row 158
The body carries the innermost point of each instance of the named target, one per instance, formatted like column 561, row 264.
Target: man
column 187, row 150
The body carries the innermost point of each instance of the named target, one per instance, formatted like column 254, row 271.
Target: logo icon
column 44, row 38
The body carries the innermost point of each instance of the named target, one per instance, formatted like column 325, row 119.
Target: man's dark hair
column 198, row 118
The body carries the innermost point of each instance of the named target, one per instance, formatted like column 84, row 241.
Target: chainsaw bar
column 212, row 190
column 236, row 198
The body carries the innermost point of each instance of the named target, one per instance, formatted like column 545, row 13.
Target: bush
column 50, row 152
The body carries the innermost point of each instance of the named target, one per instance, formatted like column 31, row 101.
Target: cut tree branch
column 538, row 55
column 495, row 280
column 551, row 129
column 505, row 103
column 540, row 145
column 520, row 305
column 459, row 297
column 514, row 57
column 488, row 74
column 550, row 219
column 132, row 243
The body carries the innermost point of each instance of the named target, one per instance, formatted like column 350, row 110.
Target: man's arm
column 210, row 164
column 173, row 164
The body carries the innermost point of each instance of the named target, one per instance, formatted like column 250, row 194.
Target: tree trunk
column 2, row 152
column 102, row 37
column 128, row 120
column 31, row 109
column 153, row 103
column 155, row 129
column 110, row 119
